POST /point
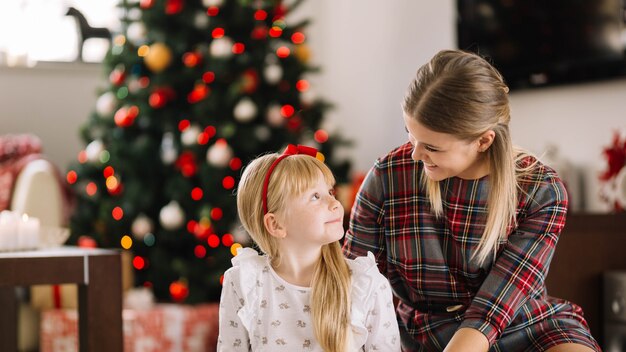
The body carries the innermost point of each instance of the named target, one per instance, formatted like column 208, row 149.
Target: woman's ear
column 485, row 140
column 273, row 225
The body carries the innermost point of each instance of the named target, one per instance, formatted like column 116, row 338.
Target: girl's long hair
column 330, row 289
column 461, row 94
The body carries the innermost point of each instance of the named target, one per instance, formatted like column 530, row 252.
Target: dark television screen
column 543, row 42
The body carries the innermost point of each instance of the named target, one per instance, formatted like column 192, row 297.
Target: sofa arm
column 37, row 193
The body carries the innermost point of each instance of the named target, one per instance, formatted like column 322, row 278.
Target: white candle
column 28, row 232
column 9, row 222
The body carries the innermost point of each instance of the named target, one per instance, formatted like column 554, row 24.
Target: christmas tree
column 193, row 91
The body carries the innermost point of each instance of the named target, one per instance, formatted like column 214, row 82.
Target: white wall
column 368, row 52
column 51, row 101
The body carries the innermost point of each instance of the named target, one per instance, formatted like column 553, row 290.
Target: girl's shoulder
column 365, row 274
column 246, row 265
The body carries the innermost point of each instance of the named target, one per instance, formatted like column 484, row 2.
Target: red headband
column 290, row 150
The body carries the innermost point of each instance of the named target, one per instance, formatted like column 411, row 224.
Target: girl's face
column 315, row 217
column 444, row 155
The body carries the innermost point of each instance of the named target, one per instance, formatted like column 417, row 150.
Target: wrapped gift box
column 165, row 327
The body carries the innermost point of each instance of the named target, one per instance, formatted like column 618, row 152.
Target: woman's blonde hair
column 461, row 94
column 330, row 289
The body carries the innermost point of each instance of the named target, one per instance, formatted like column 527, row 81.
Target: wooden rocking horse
column 85, row 31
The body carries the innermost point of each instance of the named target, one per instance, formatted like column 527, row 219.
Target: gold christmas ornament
column 303, row 53
column 158, row 58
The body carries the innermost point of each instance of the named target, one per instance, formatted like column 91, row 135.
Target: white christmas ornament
column 94, row 149
column 106, row 104
column 142, row 225
column 133, row 14
column 221, row 47
column 172, row 216
column 274, row 118
column 209, row 3
column 136, row 33
column 134, row 85
column 245, row 110
column 190, row 135
column 262, row 133
column 308, row 97
column 168, row 151
column 273, row 73
column 201, row 20
column 219, row 154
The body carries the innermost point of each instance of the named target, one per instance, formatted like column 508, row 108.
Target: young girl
column 463, row 224
column 302, row 294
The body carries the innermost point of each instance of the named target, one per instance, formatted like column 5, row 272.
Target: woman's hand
column 468, row 340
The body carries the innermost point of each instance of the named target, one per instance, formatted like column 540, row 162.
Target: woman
column 463, row 225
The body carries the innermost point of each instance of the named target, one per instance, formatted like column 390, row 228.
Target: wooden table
column 97, row 272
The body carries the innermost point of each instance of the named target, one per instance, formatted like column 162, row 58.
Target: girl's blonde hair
column 461, row 94
column 330, row 289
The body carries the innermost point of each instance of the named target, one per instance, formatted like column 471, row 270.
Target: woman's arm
column 521, row 267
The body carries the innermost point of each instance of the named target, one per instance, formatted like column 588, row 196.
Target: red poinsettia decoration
column 614, row 177
column 615, row 156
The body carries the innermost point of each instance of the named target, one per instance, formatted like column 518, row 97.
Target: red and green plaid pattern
column 428, row 259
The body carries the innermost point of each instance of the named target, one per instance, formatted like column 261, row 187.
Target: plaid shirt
column 428, row 259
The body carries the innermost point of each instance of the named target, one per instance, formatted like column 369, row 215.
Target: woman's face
column 444, row 155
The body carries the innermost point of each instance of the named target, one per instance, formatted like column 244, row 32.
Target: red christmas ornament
column 125, row 116
column 275, row 32
column 213, row 11
column 283, row 52
column 202, row 231
column 259, row 32
column 294, row 123
column 238, row 48
column 160, row 97
column 117, row 190
column 87, row 242
column 146, row 4
column 179, row 291
column 186, row 163
column 260, row 15
column 173, row 6
column 117, row 76
column 279, row 11
column 298, row 38
column 199, row 92
column 192, row 59
column 249, row 81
